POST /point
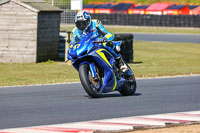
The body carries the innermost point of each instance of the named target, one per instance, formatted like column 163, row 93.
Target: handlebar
column 100, row 41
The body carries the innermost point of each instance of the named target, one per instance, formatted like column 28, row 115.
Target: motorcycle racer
column 86, row 25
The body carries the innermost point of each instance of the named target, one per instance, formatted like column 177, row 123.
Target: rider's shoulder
column 75, row 30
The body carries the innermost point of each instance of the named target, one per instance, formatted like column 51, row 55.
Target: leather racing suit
column 98, row 31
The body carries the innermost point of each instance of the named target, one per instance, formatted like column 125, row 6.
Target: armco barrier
column 126, row 47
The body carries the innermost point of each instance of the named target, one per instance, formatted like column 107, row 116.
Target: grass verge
column 154, row 59
column 142, row 29
column 195, row 128
column 151, row 59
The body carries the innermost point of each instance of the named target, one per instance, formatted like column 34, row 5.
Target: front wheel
column 93, row 86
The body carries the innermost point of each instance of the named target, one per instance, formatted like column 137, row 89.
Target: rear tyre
column 91, row 86
column 129, row 88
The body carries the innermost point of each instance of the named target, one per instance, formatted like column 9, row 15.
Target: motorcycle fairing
column 101, row 56
column 101, row 53
column 87, row 52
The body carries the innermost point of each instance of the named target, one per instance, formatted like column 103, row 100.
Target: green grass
column 160, row 59
column 142, row 29
column 151, row 59
column 36, row 73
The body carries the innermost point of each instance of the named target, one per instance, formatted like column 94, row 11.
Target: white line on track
column 115, row 124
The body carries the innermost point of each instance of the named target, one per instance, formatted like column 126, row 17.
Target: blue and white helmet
column 82, row 20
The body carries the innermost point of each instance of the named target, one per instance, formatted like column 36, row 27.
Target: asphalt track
column 185, row 38
column 62, row 103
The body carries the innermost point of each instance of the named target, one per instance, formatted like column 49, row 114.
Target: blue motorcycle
column 97, row 69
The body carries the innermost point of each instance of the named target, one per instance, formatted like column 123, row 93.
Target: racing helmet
column 82, row 20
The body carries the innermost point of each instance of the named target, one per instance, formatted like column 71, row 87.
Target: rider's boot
column 120, row 64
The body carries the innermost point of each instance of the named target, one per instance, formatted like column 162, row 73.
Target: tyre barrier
column 61, row 48
column 126, row 46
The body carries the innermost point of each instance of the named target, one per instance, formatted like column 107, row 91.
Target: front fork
column 93, row 70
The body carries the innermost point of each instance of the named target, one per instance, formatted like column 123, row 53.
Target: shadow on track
column 113, row 95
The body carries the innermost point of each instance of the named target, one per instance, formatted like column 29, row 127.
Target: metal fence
column 67, row 16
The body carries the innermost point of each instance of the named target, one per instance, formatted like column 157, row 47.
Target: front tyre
column 91, row 85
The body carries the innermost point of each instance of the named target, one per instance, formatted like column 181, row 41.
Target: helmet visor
column 81, row 25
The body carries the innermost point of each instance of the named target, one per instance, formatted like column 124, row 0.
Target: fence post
column 52, row 2
column 67, row 42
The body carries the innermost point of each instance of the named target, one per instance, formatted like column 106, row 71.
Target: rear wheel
column 129, row 88
column 93, row 86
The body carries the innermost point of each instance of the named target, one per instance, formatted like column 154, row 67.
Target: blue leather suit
column 98, row 31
